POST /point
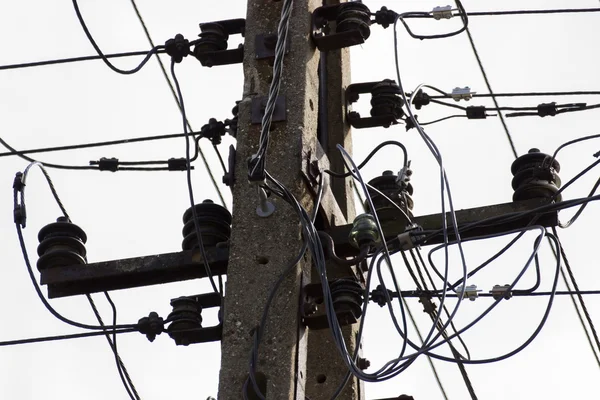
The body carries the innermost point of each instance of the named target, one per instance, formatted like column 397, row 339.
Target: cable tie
column 151, row 326
column 107, row 164
column 471, row 292
column 501, row 291
column 476, row 112
column 177, row 164
column 421, row 99
column 547, row 109
column 385, row 17
column 440, row 12
column 459, row 94
column 256, row 169
column 177, row 48
column 18, row 184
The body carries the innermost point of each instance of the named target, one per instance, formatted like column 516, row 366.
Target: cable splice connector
column 213, row 131
column 107, row 164
column 547, row 109
column 379, row 296
column 177, row 48
column 421, row 99
column 476, row 112
column 442, row 12
column 385, row 17
column 177, row 164
column 501, row 291
column 403, row 179
column 459, row 94
column 471, row 292
column 151, row 326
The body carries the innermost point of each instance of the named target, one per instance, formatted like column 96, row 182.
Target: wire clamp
column 177, row 48
column 442, row 12
column 547, row 109
column 476, row 112
column 151, row 326
column 403, row 179
column 107, row 164
column 378, row 295
column 501, row 291
column 385, row 17
column 213, row 131
column 464, row 93
column 177, row 164
column 471, row 292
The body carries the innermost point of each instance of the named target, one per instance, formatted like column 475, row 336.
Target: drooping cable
column 56, row 338
column 176, row 98
column 101, row 54
column 489, row 87
column 561, row 253
column 189, row 182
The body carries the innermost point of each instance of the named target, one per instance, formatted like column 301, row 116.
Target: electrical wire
column 56, row 338
column 99, row 51
column 489, row 87
column 445, row 95
column 189, row 183
column 76, row 59
column 175, row 97
column 512, row 12
column 258, row 160
column 462, row 14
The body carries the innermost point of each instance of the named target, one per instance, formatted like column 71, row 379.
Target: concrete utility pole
column 262, row 248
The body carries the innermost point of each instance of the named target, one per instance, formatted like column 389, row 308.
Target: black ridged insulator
column 214, row 223
column 386, row 100
column 185, row 317
column 213, row 37
column 347, row 296
column 354, row 16
column 534, row 177
column 61, row 244
column 400, row 194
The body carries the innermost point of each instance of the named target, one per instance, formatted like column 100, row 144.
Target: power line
column 60, row 337
column 512, row 12
column 489, row 87
column 179, row 105
column 74, row 59
column 524, row 94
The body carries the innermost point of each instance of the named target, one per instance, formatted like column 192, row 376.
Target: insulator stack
column 61, row 244
column 213, row 37
column 186, row 316
column 534, row 177
column 347, row 296
column 354, row 16
column 214, row 224
column 364, row 231
column 398, row 192
column 386, row 100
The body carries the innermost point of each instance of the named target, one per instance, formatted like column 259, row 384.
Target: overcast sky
column 128, row 214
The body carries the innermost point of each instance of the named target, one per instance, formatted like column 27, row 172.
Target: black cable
column 93, row 144
column 510, row 12
column 489, row 87
column 74, row 59
column 462, row 14
column 121, row 369
column 163, row 70
column 370, row 155
column 441, row 119
column 189, row 182
column 60, row 337
column 576, row 287
column 102, row 56
column 524, row 94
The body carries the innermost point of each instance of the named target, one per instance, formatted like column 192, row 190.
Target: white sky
column 128, row 214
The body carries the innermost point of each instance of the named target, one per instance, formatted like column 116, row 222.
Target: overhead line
column 176, row 98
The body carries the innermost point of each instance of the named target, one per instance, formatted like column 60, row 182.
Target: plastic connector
column 421, row 99
column 442, row 12
column 385, row 17
column 151, row 326
column 256, row 169
column 108, row 164
column 476, row 112
column 177, row 48
column 20, row 215
column 177, row 164
column 459, row 94
column 547, row 109
column 471, row 292
column 18, row 184
column 501, row 291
